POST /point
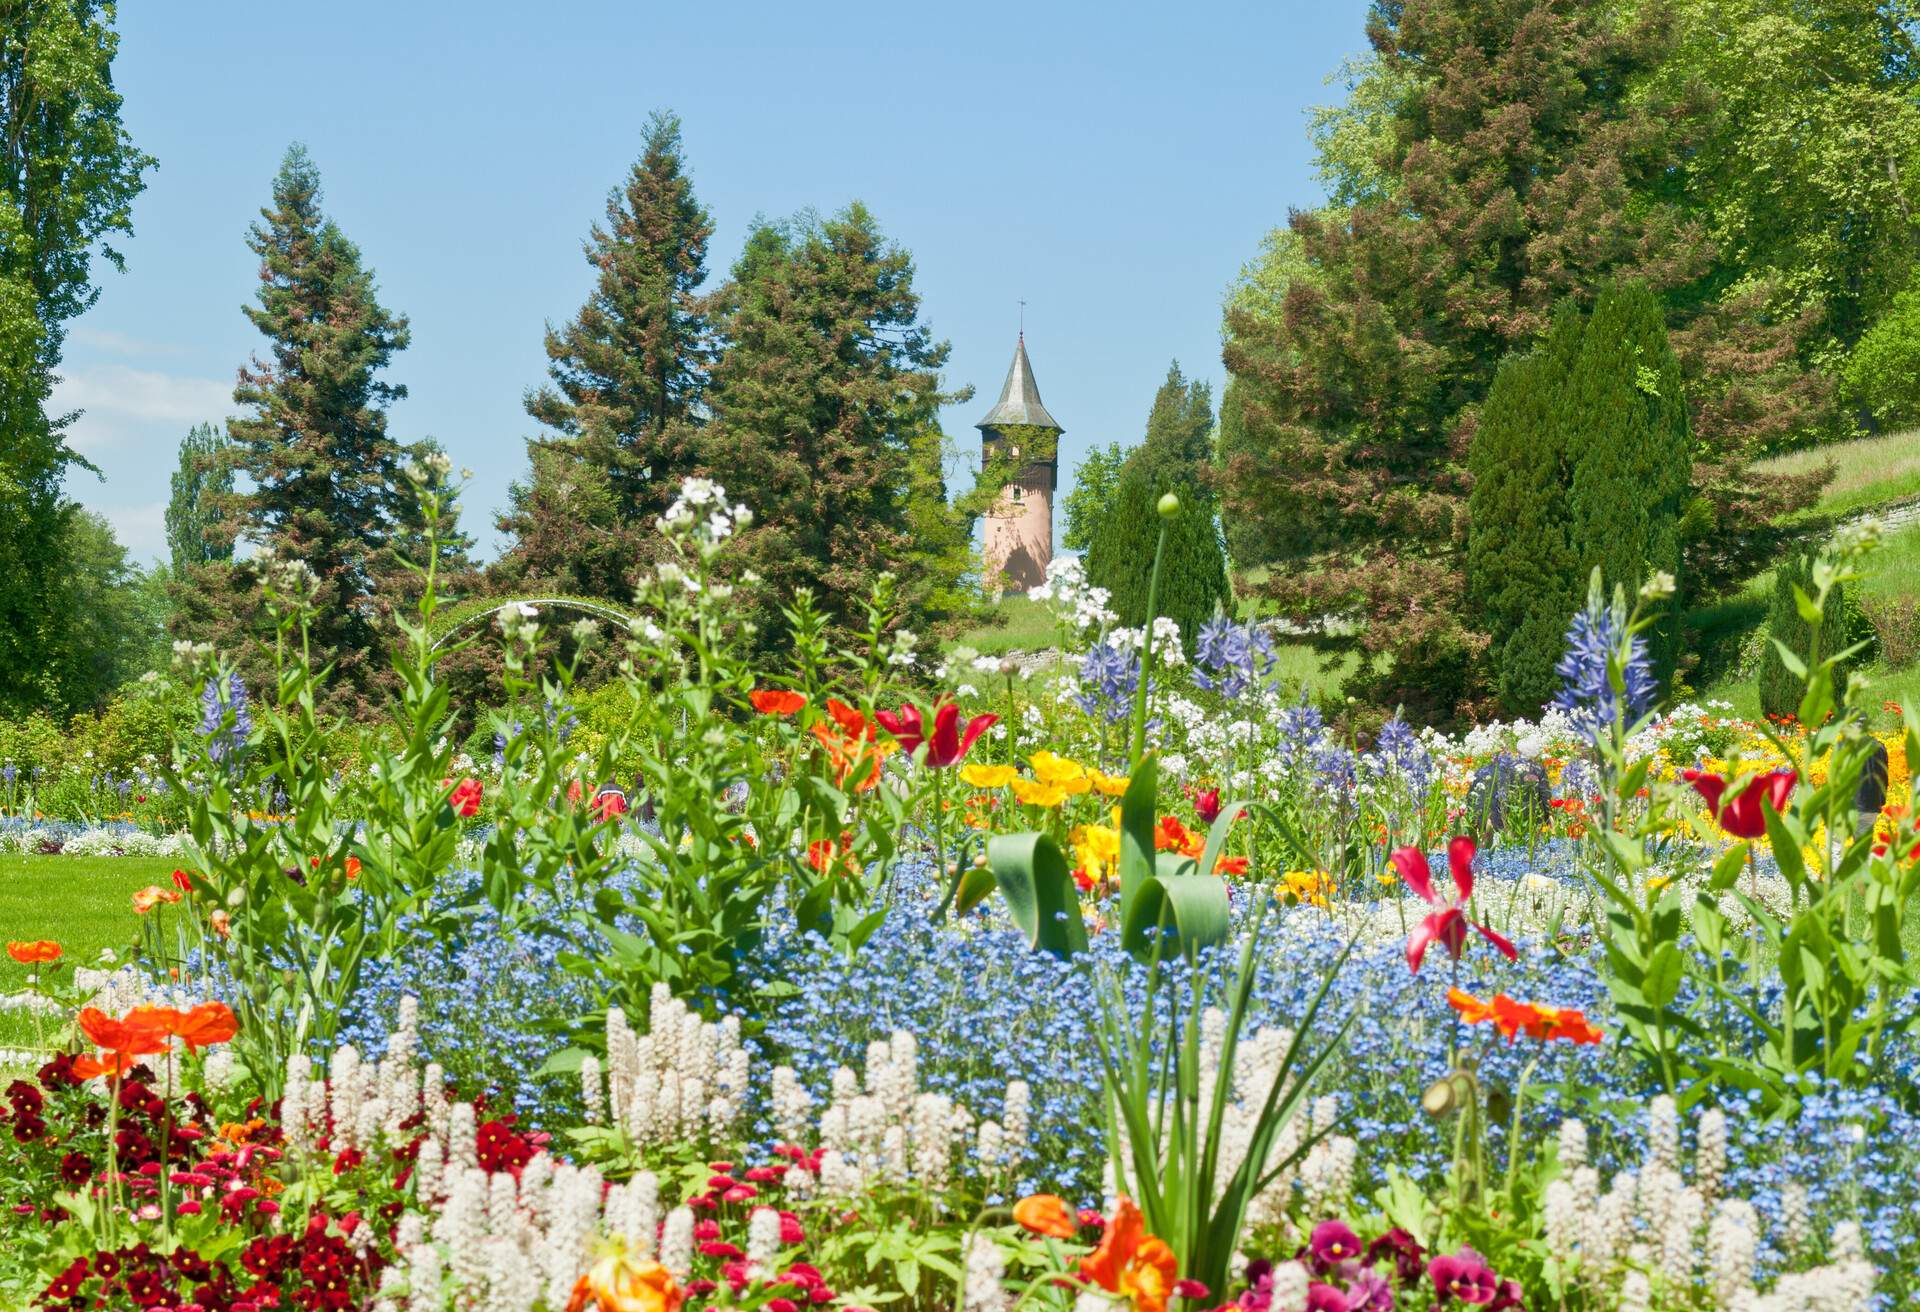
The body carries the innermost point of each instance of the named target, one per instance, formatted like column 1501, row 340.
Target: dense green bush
column 1849, row 623
column 1883, row 373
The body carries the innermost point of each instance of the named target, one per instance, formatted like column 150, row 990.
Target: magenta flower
column 1464, row 1275
column 1369, row 1291
column 1448, row 923
column 1405, row 1251
column 1332, row 1243
column 1325, row 1298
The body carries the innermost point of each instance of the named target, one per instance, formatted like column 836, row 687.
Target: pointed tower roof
column 1019, row 401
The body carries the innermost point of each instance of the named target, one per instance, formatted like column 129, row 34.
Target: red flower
column 1447, row 924
column 183, row 881
column 1207, row 805
column 776, row 701
column 947, row 743
column 39, row 950
column 608, row 804
column 465, row 798
column 1745, row 816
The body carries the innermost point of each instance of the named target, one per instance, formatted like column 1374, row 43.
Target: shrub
column 1780, row 689
column 1883, row 373
column 1896, row 628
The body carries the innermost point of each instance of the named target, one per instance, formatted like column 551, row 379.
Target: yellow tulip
column 988, row 776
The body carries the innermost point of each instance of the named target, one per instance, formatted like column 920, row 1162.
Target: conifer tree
column 1173, row 458
column 826, row 401
column 629, row 371
column 569, row 538
column 203, row 479
column 326, row 481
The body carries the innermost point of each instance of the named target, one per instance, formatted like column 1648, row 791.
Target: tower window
column 1019, row 495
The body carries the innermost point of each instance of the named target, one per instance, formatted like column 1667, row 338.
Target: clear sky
column 1113, row 165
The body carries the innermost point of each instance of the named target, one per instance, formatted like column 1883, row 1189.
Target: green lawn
column 1014, row 624
column 1869, row 472
column 82, row 903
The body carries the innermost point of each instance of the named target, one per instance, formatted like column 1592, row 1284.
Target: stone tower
column 1018, row 544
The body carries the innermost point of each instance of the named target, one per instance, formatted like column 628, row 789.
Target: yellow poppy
column 1051, row 769
column 1096, row 848
column 1034, row 793
column 988, row 776
column 1111, row 784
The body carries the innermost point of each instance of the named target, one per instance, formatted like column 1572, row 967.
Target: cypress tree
column 326, row 481
column 1173, row 458
column 628, row 372
column 1624, row 415
column 1522, row 573
column 200, row 483
column 826, row 401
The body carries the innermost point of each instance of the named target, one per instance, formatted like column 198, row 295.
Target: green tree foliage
column 1580, row 460
column 1096, row 479
column 629, row 371
column 1523, row 157
column 1883, row 373
column 1522, row 571
column 826, row 402
column 69, row 173
column 326, row 481
column 1173, row 458
column 201, row 482
column 1780, row 689
column 125, row 609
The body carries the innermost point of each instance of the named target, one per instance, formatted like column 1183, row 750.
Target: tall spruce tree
column 202, row 480
column 1173, row 458
column 826, row 402
column 629, row 370
column 1517, row 155
column 69, row 174
column 326, row 478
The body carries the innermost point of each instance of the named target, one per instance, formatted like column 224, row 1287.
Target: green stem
column 1139, row 737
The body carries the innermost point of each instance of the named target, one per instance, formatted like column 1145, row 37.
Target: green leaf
column 1136, row 833
column 1726, row 871
column 1041, row 897
column 1195, row 907
column 1664, row 972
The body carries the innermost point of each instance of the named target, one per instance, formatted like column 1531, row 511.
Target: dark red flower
column 1207, row 805
column 1464, row 1275
column 947, row 744
column 1447, row 924
column 1332, row 1243
column 1745, row 816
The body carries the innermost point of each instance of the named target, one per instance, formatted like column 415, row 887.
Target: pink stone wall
column 1018, row 538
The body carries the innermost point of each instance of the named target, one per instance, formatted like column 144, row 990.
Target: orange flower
column 1472, row 1010
column 116, row 1063
column 28, row 954
column 1230, row 865
column 1047, row 1214
column 615, row 1284
column 776, row 701
column 151, row 896
column 353, row 868
column 1132, row 1263
column 851, row 744
column 183, row 881
column 1172, row 836
column 1514, row 1018
column 136, row 1035
column 221, row 923
column 208, row 1023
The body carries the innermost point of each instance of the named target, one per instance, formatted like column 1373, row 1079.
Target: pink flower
column 1333, row 1242
column 1207, row 805
column 1464, row 1275
column 1448, row 923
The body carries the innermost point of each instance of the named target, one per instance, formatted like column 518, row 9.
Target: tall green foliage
column 69, row 173
column 1582, row 459
column 326, row 483
column 1173, row 458
column 1096, row 480
column 1843, row 626
column 627, row 376
column 826, row 413
column 203, row 479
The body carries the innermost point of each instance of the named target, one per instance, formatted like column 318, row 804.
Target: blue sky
column 1113, row 166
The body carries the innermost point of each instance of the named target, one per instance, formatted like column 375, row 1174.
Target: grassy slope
column 83, row 903
column 1868, row 472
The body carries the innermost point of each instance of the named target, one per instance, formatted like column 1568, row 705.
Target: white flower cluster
column 1167, row 650
column 685, row 1080
column 701, row 510
column 1652, row 1230
column 97, row 840
column 1073, row 601
column 887, row 1128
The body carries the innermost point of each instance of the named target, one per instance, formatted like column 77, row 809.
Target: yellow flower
column 1051, row 769
column 1038, row 794
column 988, row 776
column 1309, row 885
column 1096, row 847
column 1657, row 882
column 1111, row 784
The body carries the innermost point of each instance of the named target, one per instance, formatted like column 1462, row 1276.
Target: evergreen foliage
column 629, row 371
column 1096, row 480
column 201, row 482
column 327, row 486
column 1173, row 458
column 826, row 402
column 1511, row 154
column 68, row 178
column 1780, row 690
column 1581, row 460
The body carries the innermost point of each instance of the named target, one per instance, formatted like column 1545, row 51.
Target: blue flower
column 1586, row 695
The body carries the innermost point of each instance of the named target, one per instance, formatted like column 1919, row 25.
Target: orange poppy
column 1132, row 1263
column 1047, row 1214
column 1230, row 865
column 29, row 954
column 151, row 896
column 116, row 1063
column 1513, row 1018
column 1472, row 1010
column 136, row 1035
column 776, row 701
column 851, row 744
column 208, row 1023
column 353, row 868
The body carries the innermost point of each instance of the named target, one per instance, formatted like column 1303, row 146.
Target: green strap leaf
column 1136, row 833
column 1041, row 898
column 1195, row 907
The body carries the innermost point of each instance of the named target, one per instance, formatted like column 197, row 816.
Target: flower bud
column 1169, row 506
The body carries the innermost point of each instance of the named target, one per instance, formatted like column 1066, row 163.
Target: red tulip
column 1207, row 805
column 465, row 798
column 1448, row 924
column 1745, row 816
column 947, row 744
